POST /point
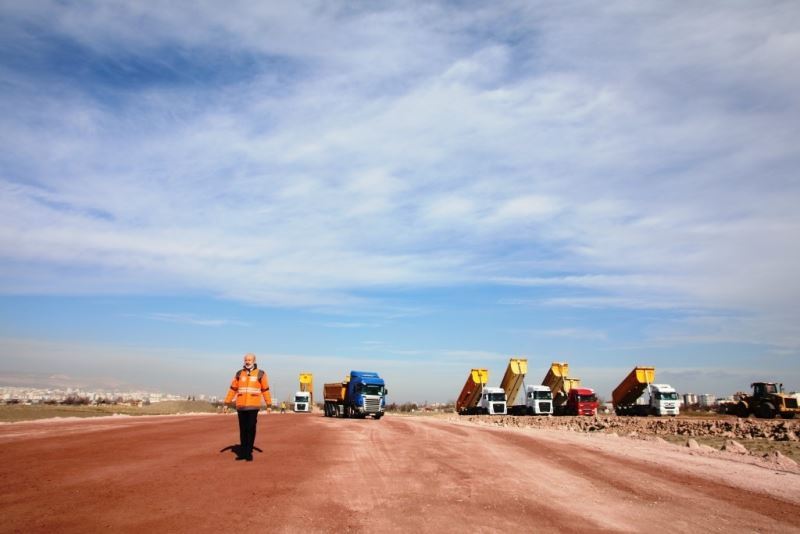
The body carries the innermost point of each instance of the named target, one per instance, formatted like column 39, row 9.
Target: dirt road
column 396, row 474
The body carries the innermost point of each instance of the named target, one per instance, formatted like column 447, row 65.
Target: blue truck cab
column 366, row 394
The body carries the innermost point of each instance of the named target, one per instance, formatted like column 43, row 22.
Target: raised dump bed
column 471, row 392
column 559, row 381
column 631, row 388
column 513, row 378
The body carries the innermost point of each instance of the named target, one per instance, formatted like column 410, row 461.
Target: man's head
column 249, row 360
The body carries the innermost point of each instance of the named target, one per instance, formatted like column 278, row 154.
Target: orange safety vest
column 249, row 387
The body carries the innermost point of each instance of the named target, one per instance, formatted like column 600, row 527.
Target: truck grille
column 301, row 407
column 791, row 402
column 498, row 407
column 372, row 404
column 544, row 406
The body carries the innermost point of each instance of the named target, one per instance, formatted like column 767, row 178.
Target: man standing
column 248, row 386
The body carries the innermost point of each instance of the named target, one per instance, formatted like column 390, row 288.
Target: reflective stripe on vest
column 249, row 394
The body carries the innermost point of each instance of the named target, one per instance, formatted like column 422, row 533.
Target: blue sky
column 411, row 188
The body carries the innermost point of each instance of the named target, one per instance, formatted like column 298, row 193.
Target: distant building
column 707, row 400
column 690, row 399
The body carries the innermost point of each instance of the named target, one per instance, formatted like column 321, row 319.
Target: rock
column 779, row 459
column 706, row 448
column 734, row 446
column 692, row 444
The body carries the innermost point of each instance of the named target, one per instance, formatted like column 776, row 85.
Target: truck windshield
column 300, row 399
column 370, row 389
column 667, row 396
column 497, row 396
column 543, row 395
column 587, row 398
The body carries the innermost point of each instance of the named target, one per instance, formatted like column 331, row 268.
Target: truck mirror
column 385, row 391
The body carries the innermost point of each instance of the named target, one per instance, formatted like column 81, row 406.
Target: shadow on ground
column 236, row 449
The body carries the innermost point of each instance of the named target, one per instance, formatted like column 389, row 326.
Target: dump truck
column 302, row 402
column 538, row 399
column 663, row 399
column 304, row 397
column 478, row 398
column 582, row 401
column 767, row 401
column 360, row 394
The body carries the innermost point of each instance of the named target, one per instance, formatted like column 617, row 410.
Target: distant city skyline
column 415, row 189
column 21, row 393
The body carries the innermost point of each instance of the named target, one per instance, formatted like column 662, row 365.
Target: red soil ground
column 397, row 474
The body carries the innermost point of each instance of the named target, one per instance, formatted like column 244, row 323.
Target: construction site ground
column 399, row 474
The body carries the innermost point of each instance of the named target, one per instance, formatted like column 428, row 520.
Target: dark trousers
column 247, row 431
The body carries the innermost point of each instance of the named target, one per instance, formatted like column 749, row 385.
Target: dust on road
column 397, row 474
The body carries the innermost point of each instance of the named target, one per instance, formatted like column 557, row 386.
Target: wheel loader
column 767, row 401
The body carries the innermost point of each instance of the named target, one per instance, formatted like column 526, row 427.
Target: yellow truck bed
column 512, row 379
column 307, row 384
column 335, row 391
column 632, row 387
column 471, row 392
column 559, row 382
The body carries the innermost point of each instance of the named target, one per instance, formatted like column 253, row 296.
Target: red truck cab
column 581, row 401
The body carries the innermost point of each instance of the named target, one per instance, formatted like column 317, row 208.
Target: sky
column 412, row 188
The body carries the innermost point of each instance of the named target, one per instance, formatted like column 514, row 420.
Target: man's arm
column 265, row 390
column 233, row 390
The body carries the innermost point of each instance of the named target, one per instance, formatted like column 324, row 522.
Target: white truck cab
column 302, row 401
column 493, row 401
column 663, row 400
column 538, row 400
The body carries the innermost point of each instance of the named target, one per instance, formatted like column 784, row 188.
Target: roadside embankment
column 733, row 428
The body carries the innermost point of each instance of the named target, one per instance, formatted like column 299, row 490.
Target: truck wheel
column 529, row 411
column 788, row 415
column 765, row 411
column 742, row 410
column 378, row 416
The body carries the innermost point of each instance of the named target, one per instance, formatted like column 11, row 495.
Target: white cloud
column 191, row 319
column 572, row 333
column 626, row 151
